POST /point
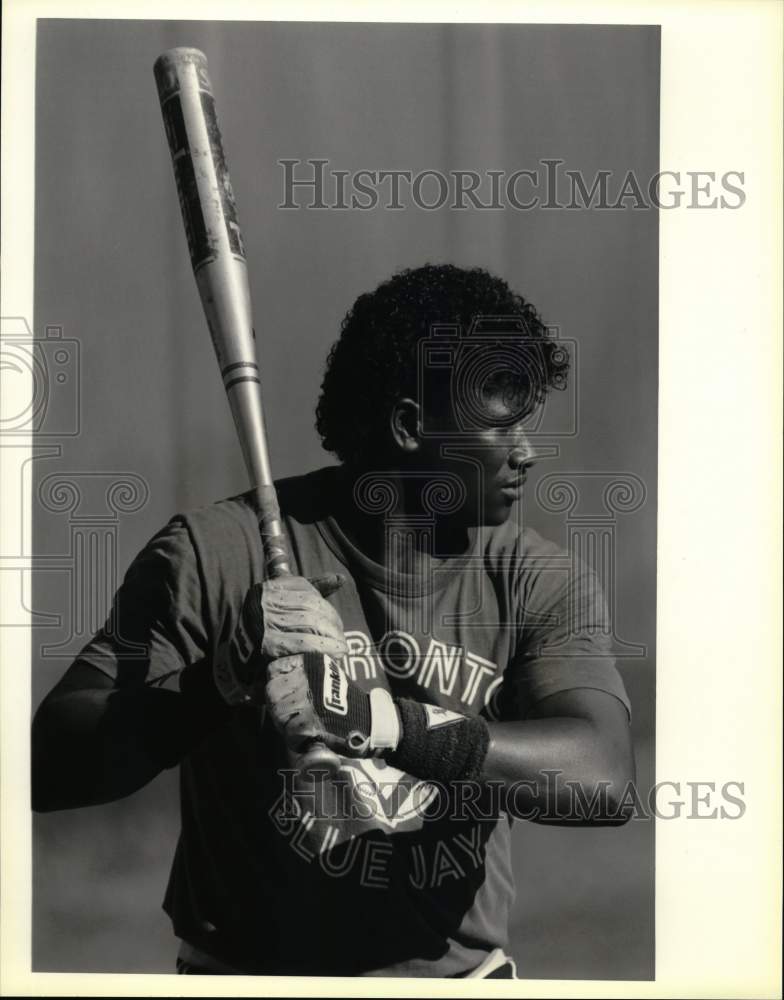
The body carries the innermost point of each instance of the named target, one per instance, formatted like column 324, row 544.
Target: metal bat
column 217, row 254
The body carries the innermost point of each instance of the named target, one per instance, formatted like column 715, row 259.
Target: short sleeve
column 565, row 639
column 155, row 627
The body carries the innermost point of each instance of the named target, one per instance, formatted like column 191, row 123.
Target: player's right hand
column 280, row 617
column 311, row 700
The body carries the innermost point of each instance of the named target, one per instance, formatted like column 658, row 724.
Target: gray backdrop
column 112, row 272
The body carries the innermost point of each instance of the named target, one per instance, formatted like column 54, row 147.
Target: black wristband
column 440, row 745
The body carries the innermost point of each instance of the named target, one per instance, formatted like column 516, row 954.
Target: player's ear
column 405, row 425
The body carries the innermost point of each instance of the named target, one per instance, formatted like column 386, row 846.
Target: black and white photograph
column 342, row 568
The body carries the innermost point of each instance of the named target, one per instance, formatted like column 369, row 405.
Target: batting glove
column 279, row 618
column 310, row 699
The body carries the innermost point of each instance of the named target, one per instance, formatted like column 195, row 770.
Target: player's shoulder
column 303, row 498
column 232, row 515
column 538, row 570
column 533, row 569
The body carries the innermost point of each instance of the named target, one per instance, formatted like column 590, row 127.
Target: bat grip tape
column 273, row 540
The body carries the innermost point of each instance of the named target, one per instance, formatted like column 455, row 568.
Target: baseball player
column 455, row 661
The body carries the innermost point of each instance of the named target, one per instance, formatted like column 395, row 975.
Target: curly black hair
column 374, row 361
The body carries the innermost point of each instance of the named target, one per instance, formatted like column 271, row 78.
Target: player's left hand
column 310, row 698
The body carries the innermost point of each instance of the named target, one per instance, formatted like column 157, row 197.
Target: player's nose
column 519, row 457
column 521, row 454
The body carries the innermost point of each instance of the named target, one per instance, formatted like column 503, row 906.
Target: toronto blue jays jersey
column 375, row 872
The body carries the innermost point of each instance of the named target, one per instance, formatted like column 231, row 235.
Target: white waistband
column 494, row 961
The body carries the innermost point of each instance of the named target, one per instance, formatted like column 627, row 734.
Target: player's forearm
column 82, row 757
column 96, row 745
column 560, row 770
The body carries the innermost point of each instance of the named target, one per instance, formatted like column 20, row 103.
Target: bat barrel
column 217, row 253
column 203, row 181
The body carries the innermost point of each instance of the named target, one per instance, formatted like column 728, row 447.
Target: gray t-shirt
column 379, row 872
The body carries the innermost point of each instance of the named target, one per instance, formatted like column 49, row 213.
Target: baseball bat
column 217, row 253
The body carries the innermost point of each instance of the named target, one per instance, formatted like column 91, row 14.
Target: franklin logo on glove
column 335, row 688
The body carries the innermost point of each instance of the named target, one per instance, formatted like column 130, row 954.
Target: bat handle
column 273, row 540
column 318, row 761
